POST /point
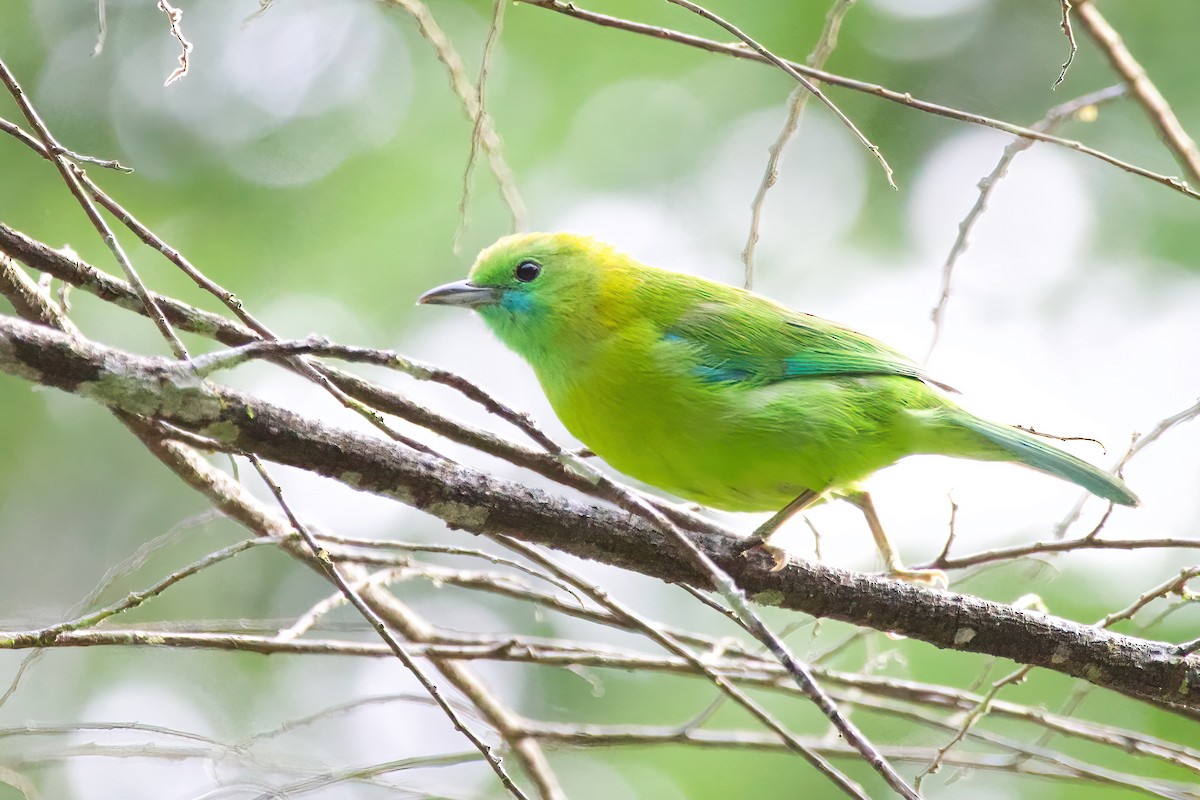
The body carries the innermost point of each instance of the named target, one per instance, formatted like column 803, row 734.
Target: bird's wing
column 755, row 341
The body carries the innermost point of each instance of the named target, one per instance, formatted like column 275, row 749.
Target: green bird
column 721, row 396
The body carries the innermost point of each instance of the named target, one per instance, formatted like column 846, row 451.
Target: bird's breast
column 732, row 445
column 651, row 418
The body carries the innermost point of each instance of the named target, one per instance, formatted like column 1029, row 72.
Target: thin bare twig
column 454, row 550
column 511, row 727
column 972, row 717
column 1088, row 542
column 580, row 735
column 102, row 28
column 309, row 619
column 1139, row 444
column 1164, row 425
column 1069, row 32
column 666, row 641
column 493, row 36
column 381, row 628
column 175, row 20
column 106, row 163
column 344, row 708
column 315, row 783
column 1054, row 119
column 134, row 599
column 467, row 95
column 1174, row 585
column 820, row 54
column 71, row 175
column 950, row 534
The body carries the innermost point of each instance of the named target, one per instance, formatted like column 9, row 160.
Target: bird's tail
column 1033, row 451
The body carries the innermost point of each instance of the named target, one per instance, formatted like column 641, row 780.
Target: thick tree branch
column 188, row 318
column 471, row 500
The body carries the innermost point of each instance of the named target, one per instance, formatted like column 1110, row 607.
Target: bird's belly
column 730, row 447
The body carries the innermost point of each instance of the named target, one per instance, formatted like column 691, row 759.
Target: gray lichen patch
column 460, row 515
column 187, row 398
column 401, row 494
column 351, row 479
column 203, row 326
column 154, row 393
column 118, row 391
column 771, row 597
column 223, row 431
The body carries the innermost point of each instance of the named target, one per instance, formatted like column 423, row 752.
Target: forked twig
column 71, row 175
column 1054, row 118
column 481, row 116
column 791, row 70
column 467, row 95
column 381, row 628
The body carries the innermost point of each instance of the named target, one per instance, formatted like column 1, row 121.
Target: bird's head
column 533, row 289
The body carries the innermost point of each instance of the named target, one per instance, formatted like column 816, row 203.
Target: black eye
column 528, row 270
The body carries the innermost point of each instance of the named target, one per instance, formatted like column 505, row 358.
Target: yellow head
column 538, row 291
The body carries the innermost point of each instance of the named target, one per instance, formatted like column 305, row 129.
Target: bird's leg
column 803, row 501
column 895, row 567
column 763, row 532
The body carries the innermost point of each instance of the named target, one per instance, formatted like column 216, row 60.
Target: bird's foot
column 779, row 558
column 933, row 578
column 1031, row 602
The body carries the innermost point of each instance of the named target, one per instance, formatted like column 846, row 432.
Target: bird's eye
column 527, row 271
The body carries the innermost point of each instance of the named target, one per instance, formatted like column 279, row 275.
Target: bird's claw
column 933, row 578
column 779, row 558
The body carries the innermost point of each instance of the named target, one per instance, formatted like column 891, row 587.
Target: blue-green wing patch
column 758, row 342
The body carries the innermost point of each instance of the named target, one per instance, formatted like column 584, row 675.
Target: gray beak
column 460, row 293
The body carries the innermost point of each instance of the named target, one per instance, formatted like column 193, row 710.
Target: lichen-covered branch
column 472, row 500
